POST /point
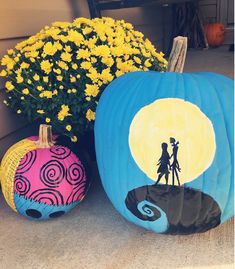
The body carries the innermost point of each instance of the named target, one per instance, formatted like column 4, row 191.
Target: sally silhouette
column 175, row 164
column 164, row 164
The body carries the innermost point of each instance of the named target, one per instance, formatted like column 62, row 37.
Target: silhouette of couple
column 164, row 163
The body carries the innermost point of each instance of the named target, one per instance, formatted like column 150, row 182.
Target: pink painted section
column 53, row 176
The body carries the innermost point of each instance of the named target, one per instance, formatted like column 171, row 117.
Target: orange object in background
column 215, row 34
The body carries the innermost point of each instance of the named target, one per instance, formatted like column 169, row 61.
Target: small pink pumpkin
column 42, row 180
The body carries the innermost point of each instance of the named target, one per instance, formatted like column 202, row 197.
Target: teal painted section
column 23, row 204
column 125, row 96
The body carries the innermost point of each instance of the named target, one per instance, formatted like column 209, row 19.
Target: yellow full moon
column 156, row 123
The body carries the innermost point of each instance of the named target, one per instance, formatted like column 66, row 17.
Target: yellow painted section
column 9, row 166
column 172, row 117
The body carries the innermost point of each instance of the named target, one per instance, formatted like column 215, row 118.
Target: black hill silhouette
column 188, row 210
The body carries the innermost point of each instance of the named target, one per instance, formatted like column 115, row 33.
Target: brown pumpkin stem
column 178, row 54
column 45, row 136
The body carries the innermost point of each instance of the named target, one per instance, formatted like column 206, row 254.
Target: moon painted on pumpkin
column 157, row 122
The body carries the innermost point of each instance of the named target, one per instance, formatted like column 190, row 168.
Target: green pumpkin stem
column 45, row 136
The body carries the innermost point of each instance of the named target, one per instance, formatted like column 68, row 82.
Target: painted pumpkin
column 164, row 145
column 215, row 34
column 42, row 180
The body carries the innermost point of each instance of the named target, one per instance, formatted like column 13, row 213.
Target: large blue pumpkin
column 164, row 145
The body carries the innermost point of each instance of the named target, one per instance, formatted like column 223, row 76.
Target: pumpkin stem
column 178, row 54
column 45, row 136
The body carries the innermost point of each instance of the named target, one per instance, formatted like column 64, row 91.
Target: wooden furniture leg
column 94, row 11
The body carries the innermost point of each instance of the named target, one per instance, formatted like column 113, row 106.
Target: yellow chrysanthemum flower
column 90, row 43
column 124, row 66
column 64, row 112
column 108, row 61
column 57, row 71
column 36, row 77
column 87, row 30
column 147, row 63
column 91, row 90
column 75, row 37
column 86, row 65
column 63, row 65
column 46, row 94
column 118, row 73
column 58, row 45
column 25, row 91
column 33, row 54
column 9, row 86
column 45, row 79
column 101, row 51
column 137, row 60
column 68, row 128
column 74, row 139
column 40, row 88
column 80, row 20
column 73, row 79
column 49, row 49
column 75, row 66
column 61, row 24
column 24, row 65
column 46, row 66
column 55, row 92
column 3, row 73
column 19, row 79
column 161, row 58
column 106, row 75
column 10, row 51
column 145, row 53
column 8, row 62
column 83, row 54
column 66, row 56
column 93, row 74
column 68, row 49
column 93, row 60
column 90, row 115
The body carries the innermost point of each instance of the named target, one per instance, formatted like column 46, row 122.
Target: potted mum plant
column 58, row 75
